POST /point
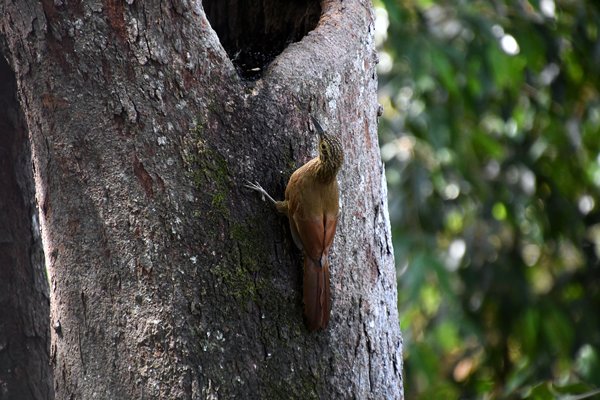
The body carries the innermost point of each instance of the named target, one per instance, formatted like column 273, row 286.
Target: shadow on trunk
column 25, row 371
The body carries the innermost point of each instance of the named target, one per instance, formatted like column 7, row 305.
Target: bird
column 311, row 205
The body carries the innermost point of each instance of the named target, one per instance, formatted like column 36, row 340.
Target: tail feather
column 316, row 294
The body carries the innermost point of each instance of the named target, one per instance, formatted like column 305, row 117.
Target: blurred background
column 491, row 138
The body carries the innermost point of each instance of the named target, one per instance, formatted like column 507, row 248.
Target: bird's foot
column 259, row 189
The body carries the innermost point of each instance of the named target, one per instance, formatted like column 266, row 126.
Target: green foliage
column 491, row 136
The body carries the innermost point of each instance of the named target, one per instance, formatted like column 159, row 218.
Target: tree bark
column 169, row 279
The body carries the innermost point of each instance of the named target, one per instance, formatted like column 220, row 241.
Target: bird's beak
column 317, row 126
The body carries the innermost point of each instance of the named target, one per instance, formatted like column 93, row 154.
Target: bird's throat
column 326, row 170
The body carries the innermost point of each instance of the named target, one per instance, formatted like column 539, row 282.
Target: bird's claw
column 257, row 187
column 263, row 193
column 253, row 186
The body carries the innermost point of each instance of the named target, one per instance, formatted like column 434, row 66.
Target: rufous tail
column 316, row 294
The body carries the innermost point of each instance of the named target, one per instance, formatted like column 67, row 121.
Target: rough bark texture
column 25, row 371
column 168, row 278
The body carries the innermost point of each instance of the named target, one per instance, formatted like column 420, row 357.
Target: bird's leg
column 259, row 189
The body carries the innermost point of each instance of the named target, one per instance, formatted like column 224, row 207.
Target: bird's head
column 330, row 148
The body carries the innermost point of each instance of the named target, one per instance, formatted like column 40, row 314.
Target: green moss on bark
column 209, row 172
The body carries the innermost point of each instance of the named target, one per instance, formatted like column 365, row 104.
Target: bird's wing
column 316, row 234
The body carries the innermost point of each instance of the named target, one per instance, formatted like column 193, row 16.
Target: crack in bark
column 369, row 351
column 81, row 350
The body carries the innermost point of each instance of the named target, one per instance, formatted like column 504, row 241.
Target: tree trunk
column 168, row 278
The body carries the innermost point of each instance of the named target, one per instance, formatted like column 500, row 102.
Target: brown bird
column 312, row 207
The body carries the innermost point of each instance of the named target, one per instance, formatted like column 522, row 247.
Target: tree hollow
column 254, row 32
